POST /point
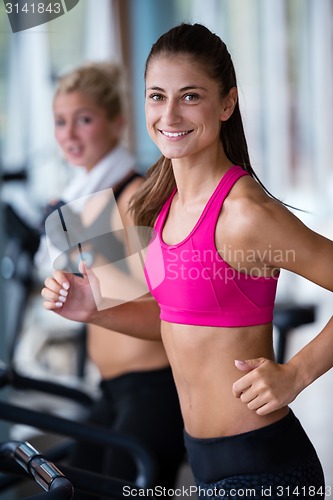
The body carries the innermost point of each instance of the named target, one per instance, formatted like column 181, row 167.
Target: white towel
column 106, row 174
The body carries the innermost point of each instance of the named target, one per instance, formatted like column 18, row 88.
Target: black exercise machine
column 38, row 468
column 91, row 483
column 288, row 316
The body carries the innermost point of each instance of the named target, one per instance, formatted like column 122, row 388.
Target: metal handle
column 37, row 465
column 45, row 473
column 146, row 466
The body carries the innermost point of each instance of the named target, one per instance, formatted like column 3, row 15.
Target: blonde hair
column 101, row 81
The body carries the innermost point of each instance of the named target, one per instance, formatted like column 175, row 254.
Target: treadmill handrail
column 44, row 472
column 146, row 468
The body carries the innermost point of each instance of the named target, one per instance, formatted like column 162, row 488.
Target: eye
column 156, row 97
column 59, row 122
column 84, row 119
column 191, row 97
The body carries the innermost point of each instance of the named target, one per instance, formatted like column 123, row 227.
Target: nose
column 70, row 130
column 66, row 131
column 172, row 112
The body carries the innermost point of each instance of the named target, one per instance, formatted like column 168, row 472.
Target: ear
column 229, row 103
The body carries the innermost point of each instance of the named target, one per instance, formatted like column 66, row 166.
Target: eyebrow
column 85, row 110
column 183, row 89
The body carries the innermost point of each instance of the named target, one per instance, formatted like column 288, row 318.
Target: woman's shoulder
column 248, row 203
column 131, row 188
column 251, row 218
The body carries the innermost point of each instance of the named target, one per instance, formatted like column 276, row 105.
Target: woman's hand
column 267, row 386
column 79, row 299
column 71, row 296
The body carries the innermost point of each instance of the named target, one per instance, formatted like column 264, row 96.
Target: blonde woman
column 137, row 387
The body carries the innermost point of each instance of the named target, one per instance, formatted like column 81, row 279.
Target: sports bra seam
column 212, row 287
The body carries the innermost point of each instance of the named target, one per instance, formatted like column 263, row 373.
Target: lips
column 173, row 135
column 74, row 150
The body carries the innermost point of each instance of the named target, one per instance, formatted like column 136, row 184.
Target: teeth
column 174, row 134
column 74, row 150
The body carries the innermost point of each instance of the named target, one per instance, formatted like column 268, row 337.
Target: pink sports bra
column 191, row 282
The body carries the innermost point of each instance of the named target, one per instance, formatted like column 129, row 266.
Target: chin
column 77, row 162
column 175, row 156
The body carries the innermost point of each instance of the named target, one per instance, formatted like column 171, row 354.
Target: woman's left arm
column 268, row 386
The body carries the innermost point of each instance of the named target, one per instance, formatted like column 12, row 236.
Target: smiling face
column 184, row 107
column 83, row 130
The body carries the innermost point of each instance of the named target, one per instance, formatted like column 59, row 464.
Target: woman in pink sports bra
column 212, row 281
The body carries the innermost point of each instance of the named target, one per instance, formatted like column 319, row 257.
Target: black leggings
column 276, row 461
column 141, row 404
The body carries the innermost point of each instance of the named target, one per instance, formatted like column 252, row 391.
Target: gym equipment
column 37, row 467
column 286, row 318
column 94, row 484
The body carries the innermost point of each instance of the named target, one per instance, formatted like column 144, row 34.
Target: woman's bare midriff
column 115, row 354
column 202, row 360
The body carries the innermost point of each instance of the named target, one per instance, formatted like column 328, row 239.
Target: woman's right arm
column 78, row 299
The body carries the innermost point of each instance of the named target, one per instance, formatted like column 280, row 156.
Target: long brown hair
column 204, row 47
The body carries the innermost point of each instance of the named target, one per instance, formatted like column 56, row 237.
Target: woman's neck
column 196, row 176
